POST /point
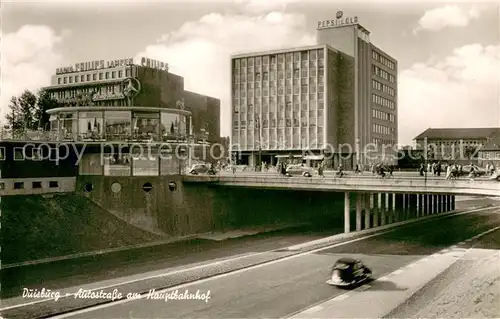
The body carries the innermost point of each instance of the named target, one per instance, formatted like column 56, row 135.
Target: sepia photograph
column 233, row 159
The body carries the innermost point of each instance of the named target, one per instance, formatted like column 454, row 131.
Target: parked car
column 477, row 170
column 201, row 169
column 299, row 170
column 349, row 272
column 495, row 176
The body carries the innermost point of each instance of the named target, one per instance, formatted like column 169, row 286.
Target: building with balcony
column 336, row 99
column 98, row 88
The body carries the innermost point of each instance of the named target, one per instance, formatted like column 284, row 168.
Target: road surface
column 283, row 288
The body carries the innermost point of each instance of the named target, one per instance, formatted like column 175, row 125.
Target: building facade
column 105, row 84
column 317, row 98
column 456, row 143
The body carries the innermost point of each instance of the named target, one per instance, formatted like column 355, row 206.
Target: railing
column 32, row 135
column 396, row 185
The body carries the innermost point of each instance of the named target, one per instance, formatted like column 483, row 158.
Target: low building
column 454, row 143
column 490, row 152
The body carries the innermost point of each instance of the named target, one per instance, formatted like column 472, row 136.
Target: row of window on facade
column 95, row 76
column 383, row 101
column 101, row 89
column 312, row 81
column 382, row 129
column 279, row 58
column 131, row 165
column 272, row 69
column 280, row 75
column 382, row 59
column 383, row 74
column 383, row 115
column 281, row 91
column 380, row 141
column 272, row 122
column 118, row 125
column 279, row 141
column 455, row 142
column 383, row 88
column 282, row 106
column 489, row 155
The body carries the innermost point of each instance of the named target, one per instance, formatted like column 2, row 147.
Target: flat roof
column 278, row 51
column 458, row 133
column 116, row 108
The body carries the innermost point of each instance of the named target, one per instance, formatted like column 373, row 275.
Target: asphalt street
column 283, row 288
column 70, row 273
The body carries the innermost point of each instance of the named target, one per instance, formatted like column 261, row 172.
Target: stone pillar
column 367, row 211
column 452, row 200
column 448, row 203
column 383, row 208
column 440, row 203
column 376, row 209
column 413, row 205
column 420, row 211
column 399, row 207
column 425, row 204
column 347, row 213
column 435, row 204
column 390, row 207
column 431, row 204
column 445, row 202
column 358, row 211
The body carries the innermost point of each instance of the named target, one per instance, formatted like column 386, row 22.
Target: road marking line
column 397, row 272
column 313, row 309
column 411, row 265
column 341, row 297
column 199, row 281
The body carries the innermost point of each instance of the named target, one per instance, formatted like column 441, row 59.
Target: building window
column 82, row 78
column 107, row 75
column 100, row 76
column 88, row 77
column 70, row 78
column 113, row 74
column 77, row 78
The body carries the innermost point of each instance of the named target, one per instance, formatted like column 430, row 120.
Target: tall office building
column 320, row 98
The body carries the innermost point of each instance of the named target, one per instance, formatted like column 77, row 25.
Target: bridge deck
column 395, row 184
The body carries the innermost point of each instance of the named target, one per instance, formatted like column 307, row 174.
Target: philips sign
column 340, row 21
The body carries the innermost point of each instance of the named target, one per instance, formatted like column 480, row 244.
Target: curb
column 132, row 247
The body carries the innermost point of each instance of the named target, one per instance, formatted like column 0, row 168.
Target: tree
column 470, row 151
column 21, row 112
column 29, row 112
column 44, row 103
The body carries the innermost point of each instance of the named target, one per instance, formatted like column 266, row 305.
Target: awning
column 315, row 157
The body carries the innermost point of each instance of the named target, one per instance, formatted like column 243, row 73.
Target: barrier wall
column 165, row 204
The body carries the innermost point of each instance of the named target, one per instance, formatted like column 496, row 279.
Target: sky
column 448, row 53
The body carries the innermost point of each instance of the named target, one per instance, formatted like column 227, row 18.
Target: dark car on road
column 299, row 170
column 201, row 169
column 349, row 272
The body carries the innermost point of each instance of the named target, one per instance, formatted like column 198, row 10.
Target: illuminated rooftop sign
column 101, row 64
column 340, row 21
